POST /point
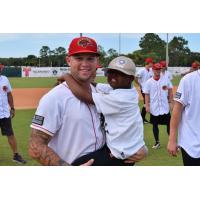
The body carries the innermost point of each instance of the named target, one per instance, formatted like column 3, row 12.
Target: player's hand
column 88, row 163
column 64, row 77
column 61, row 79
column 12, row 112
column 172, row 148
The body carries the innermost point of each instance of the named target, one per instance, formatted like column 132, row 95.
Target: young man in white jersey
column 186, row 119
column 141, row 77
column 118, row 102
column 194, row 67
column 158, row 96
column 7, row 111
column 65, row 128
column 164, row 72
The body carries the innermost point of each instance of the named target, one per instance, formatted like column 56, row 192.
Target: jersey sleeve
column 103, row 88
column 170, row 85
column 9, row 88
column 170, row 76
column 106, row 103
column 182, row 93
column 146, row 88
column 139, row 74
column 48, row 116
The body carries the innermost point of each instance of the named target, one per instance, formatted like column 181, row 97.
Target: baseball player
column 65, row 128
column 7, row 111
column 164, row 71
column 158, row 95
column 141, row 77
column 118, row 102
column 194, row 67
column 186, row 118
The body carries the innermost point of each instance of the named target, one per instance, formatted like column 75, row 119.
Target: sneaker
column 145, row 121
column 18, row 159
column 156, row 145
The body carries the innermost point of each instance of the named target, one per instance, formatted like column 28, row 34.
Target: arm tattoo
column 39, row 150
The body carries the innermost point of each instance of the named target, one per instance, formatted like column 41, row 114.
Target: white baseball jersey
column 189, row 128
column 143, row 75
column 158, row 93
column 73, row 125
column 5, row 88
column 123, row 121
column 167, row 74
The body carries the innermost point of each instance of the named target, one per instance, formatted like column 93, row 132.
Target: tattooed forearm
column 39, row 150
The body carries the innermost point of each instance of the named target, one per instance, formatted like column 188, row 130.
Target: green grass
column 21, row 126
column 49, row 82
column 32, row 82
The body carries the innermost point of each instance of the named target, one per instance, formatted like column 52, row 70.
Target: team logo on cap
column 122, row 62
column 85, row 42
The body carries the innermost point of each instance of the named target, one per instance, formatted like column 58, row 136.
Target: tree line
column 151, row 45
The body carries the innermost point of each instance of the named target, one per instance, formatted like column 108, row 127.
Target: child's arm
column 78, row 90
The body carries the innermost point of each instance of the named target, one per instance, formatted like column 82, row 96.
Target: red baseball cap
column 98, row 66
column 163, row 63
column 148, row 60
column 195, row 65
column 82, row 45
column 157, row 66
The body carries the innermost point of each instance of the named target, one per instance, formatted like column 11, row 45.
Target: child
column 118, row 102
column 158, row 96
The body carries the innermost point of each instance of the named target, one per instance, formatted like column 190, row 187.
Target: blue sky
column 23, row 44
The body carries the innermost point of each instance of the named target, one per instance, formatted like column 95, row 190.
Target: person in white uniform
column 164, row 72
column 186, row 119
column 65, row 128
column 158, row 95
column 195, row 66
column 118, row 102
column 141, row 77
column 7, row 111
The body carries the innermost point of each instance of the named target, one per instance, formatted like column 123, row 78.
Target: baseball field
column 28, row 91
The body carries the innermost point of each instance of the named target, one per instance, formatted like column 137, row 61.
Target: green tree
column 31, row 60
column 60, row 54
column 152, row 44
column 179, row 53
column 102, row 57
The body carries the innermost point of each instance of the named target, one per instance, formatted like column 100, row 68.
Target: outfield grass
column 49, row 82
column 21, row 125
column 33, row 82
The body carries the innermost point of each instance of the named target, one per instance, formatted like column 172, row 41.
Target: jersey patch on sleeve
column 37, row 119
column 178, row 95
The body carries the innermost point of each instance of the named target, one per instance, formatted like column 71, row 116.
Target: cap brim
column 80, row 52
column 121, row 70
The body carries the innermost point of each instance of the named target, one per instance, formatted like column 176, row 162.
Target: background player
column 158, row 95
column 141, row 77
column 7, row 111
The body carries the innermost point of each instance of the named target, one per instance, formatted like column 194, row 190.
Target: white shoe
column 156, row 146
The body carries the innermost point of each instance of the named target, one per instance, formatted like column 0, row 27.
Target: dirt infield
column 28, row 98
